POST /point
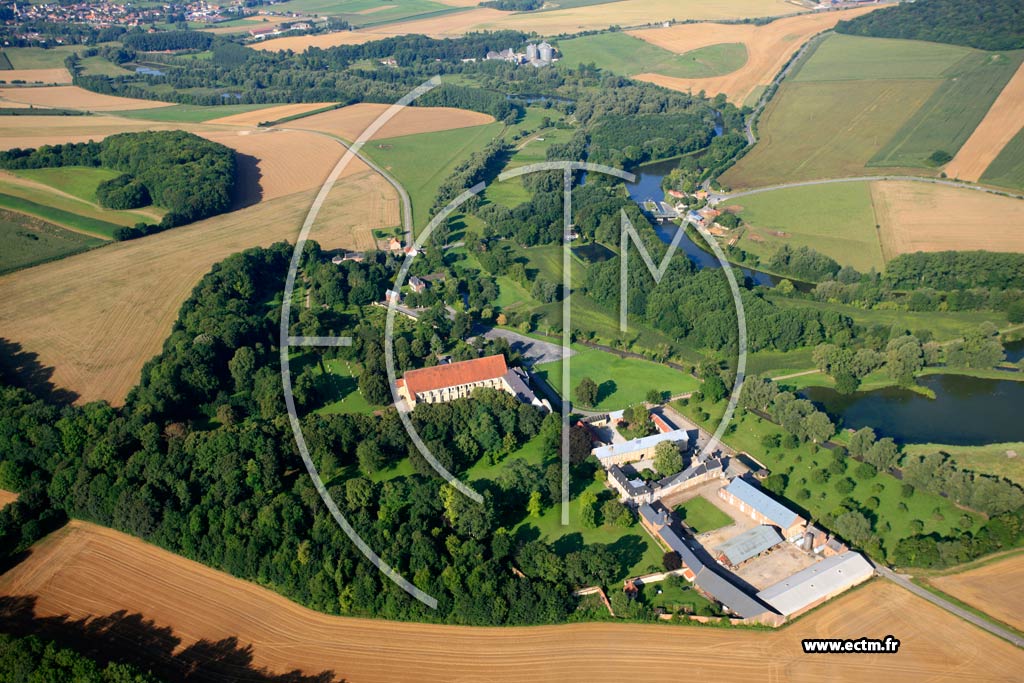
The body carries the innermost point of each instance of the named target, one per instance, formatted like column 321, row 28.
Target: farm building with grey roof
column 816, row 584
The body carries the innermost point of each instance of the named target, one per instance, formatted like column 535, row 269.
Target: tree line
column 984, row 24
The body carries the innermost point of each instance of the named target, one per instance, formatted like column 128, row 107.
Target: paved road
column 534, row 351
column 902, row 581
column 406, row 201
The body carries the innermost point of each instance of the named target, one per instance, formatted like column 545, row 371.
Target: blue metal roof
column 750, row 543
column 773, row 510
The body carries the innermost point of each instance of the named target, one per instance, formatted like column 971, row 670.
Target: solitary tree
column 534, row 506
column 586, row 392
column 667, row 459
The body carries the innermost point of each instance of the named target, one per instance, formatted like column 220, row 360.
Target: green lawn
column 837, row 220
column 856, row 58
column 422, row 162
column 98, row 66
column 989, row 459
column 798, row 464
column 772, row 363
column 38, row 57
column 1007, row 169
column 60, row 217
column 28, row 241
column 674, row 595
column 701, row 515
column 621, row 381
column 954, row 110
column 342, row 387
column 191, row 113
column 79, row 181
column 625, row 55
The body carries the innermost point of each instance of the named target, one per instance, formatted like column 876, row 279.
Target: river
column 648, row 186
column 966, row 411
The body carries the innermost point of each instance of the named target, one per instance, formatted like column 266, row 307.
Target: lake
column 966, row 411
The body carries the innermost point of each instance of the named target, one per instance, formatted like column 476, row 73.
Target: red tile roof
column 455, row 374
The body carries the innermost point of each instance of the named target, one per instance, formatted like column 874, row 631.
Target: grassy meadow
column 621, row 381
column 855, row 58
column 369, row 12
column 73, row 221
column 837, row 220
column 190, row 113
column 625, row 55
column 412, row 160
column 1007, row 169
column 28, row 241
column 39, row 57
column 999, row 459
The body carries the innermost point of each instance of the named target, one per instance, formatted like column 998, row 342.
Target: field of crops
column 1007, row 169
column 28, row 240
column 837, row 220
column 625, row 55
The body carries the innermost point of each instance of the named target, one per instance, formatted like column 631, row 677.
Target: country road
column 909, row 585
column 715, row 199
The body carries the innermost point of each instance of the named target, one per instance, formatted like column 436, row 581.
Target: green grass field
column 621, row 381
column 98, row 66
column 855, row 58
column 1007, row 169
column 38, row 57
column 799, row 463
column 422, row 162
column 350, row 10
column 837, row 220
column 990, row 459
column 5, row 63
column 701, row 515
column 625, row 55
column 79, row 181
column 27, row 241
column 953, row 111
column 190, row 113
column 856, row 106
column 674, row 595
column 342, row 385
column 58, row 216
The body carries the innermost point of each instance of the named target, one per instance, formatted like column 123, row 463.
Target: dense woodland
column 162, row 41
column 31, row 660
column 984, row 24
column 191, row 177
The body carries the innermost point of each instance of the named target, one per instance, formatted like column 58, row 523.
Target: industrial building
column 816, row 584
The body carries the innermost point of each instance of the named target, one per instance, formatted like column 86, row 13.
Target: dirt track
column 86, row 571
column 1000, row 124
column 768, row 48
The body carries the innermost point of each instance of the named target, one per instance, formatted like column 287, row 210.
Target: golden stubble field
column 59, row 76
column 996, row 588
column 84, row 571
column 916, row 216
column 73, row 97
column 555, row 21
column 768, row 49
column 349, row 122
column 1001, row 123
column 33, row 131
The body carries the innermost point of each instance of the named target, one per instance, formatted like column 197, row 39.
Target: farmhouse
column 816, row 584
column 417, row 285
column 639, row 449
column 762, row 508
column 452, row 381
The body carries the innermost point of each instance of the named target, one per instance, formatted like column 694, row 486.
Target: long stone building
column 452, row 381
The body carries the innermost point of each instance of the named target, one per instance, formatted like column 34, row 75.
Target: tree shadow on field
column 21, row 368
column 132, row 639
column 248, row 190
column 606, row 389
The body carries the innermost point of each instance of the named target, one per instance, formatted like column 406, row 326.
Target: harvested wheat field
column 444, row 26
column 85, row 571
column 996, row 589
column 58, row 76
column 73, row 97
column 1000, row 124
column 349, row 122
column 6, row 498
column 276, row 162
column 768, row 49
column 33, row 131
column 97, row 317
column 377, row 204
column 254, row 118
column 918, row 216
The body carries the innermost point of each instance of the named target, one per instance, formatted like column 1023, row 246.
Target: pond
column 648, row 186
column 1014, row 350
column 966, row 411
column 593, row 252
